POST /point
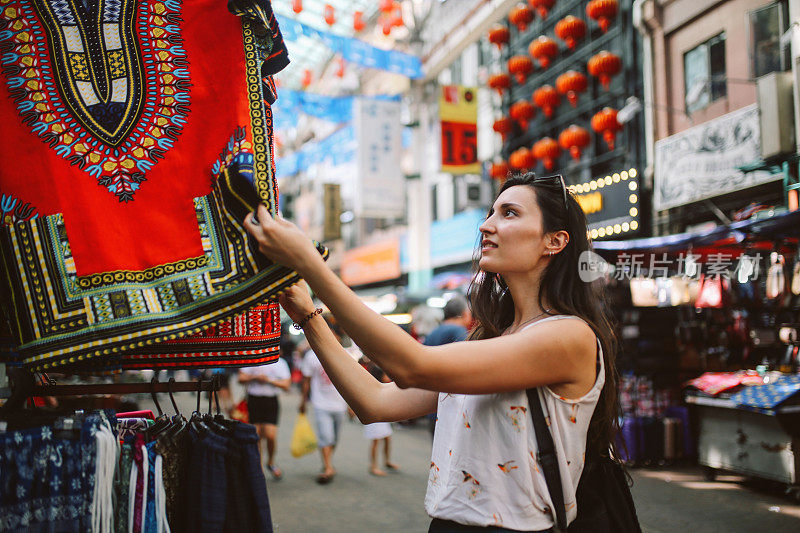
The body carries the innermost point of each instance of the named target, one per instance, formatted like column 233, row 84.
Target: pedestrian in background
column 539, row 327
column 378, row 432
column 264, row 384
column 454, row 328
column 330, row 408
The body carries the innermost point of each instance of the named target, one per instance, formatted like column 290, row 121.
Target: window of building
column 767, row 24
column 704, row 73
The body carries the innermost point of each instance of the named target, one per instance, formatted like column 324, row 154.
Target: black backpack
column 604, row 500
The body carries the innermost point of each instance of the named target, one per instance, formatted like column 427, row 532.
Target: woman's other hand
column 297, row 302
column 280, row 240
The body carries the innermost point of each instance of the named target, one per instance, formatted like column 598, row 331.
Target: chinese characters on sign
column 381, row 191
column 636, row 265
column 458, row 113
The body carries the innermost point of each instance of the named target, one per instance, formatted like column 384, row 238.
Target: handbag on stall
column 776, row 279
column 604, row 500
column 713, row 292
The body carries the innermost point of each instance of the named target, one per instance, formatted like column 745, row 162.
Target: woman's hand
column 281, row 241
column 297, row 302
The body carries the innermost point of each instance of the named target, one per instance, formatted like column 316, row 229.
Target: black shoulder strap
column 547, row 459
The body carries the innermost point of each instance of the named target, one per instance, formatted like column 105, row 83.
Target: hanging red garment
column 134, row 142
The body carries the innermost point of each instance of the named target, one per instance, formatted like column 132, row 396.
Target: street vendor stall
column 755, row 431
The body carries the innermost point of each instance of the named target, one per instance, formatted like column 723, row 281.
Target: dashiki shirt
column 137, row 135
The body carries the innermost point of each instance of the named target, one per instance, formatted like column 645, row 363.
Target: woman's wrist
column 300, row 324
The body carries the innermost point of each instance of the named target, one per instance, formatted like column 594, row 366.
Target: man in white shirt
column 264, row 384
column 329, row 410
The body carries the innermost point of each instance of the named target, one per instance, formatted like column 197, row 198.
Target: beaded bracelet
column 299, row 325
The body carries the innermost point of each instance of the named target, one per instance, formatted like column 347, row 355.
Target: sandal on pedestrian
column 275, row 471
column 391, row 466
column 324, row 479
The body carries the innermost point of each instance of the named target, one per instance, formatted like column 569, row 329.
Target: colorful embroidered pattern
column 208, row 310
column 107, row 89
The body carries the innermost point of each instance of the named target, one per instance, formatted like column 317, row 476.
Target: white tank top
column 483, row 470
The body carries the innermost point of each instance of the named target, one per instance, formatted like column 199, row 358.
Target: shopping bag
column 304, row 441
column 241, row 412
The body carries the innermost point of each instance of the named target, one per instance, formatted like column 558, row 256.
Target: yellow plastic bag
column 304, row 441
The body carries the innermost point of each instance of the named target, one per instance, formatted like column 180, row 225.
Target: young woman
column 539, row 326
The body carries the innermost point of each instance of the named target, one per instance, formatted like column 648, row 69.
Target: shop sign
column 332, row 200
column 703, row 161
column 371, row 263
column 458, row 113
column 380, row 184
column 611, row 203
column 455, row 240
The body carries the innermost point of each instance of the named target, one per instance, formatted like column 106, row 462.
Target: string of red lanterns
column 542, row 6
column 547, row 151
column 503, row 126
column 605, row 122
column 499, row 35
column 520, row 67
column 499, row 82
column 574, row 139
column 499, row 170
column 546, row 98
column 521, row 16
column 570, row 84
column 604, row 65
column 522, row 111
column 602, row 11
column 570, row 29
column 544, row 50
column 329, row 14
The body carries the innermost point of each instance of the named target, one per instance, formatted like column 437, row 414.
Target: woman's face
column 512, row 236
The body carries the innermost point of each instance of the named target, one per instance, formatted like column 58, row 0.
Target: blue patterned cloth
column 46, row 481
column 769, row 395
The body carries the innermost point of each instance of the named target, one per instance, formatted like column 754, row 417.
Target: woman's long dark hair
column 565, row 293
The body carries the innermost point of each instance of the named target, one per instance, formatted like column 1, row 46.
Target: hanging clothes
column 126, row 170
column 135, row 475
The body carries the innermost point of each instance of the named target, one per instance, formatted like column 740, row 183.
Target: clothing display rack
column 23, row 385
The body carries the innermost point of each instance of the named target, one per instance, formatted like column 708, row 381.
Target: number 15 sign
column 458, row 113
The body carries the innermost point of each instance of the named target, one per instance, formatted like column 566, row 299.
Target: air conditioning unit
column 472, row 192
column 776, row 113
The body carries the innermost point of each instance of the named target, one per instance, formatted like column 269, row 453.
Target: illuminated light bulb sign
column 611, row 204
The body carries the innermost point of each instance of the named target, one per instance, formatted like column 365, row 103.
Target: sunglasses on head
column 557, row 179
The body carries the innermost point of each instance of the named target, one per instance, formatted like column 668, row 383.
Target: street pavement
column 667, row 499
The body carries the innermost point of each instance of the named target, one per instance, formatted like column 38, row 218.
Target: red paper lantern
column 329, row 14
column 386, row 25
column 606, row 122
column 605, row 65
column 307, row 77
column 520, row 67
column 574, row 139
column 499, row 82
column 358, row 21
column 602, row 11
column 546, row 98
column 503, row 126
column 522, row 159
column 570, row 29
column 546, row 150
column 522, row 111
column 386, row 6
column 542, row 6
column 340, row 67
column 571, row 83
column 521, row 16
column 297, row 6
column 499, row 36
column 499, row 170
column 544, row 49
column 396, row 16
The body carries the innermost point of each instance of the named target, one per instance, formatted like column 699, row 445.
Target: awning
column 786, row 225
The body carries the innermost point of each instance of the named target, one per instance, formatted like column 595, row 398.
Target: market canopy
column 767, row 229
